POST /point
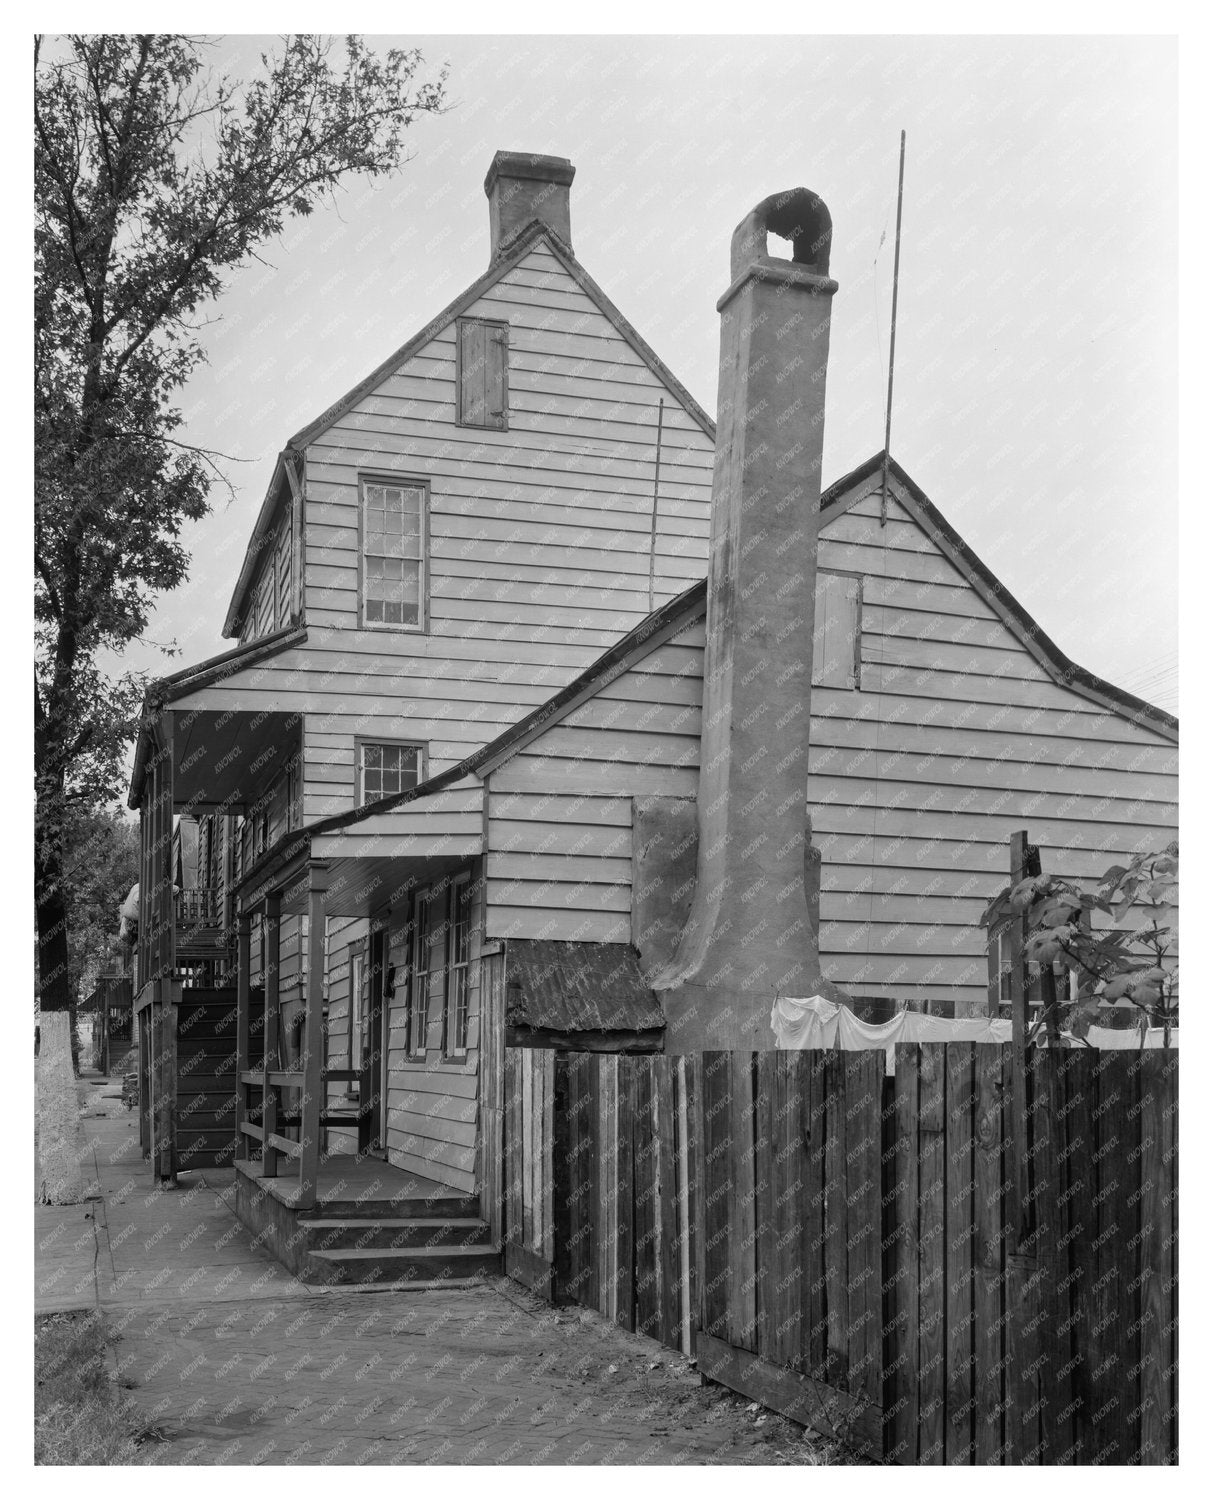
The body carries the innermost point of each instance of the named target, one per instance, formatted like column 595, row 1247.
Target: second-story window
column 393, row 555
column 386, row 769
column 482, row 373
column 837, row 630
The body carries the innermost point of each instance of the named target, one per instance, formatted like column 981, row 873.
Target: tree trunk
column 60, row 1139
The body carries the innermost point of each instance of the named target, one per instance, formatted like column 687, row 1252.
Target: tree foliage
column 154, row 181
column 1135, row 965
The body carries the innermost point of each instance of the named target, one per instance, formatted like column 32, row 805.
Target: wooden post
column 269, row 1092
column 313, row 1047
column 243, row 960
column 1025, row 861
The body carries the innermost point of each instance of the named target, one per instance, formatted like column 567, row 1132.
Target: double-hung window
column 384, row 769
column 441, row 968
column 393, row 554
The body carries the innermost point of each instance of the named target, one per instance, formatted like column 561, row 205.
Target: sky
column 1035, row 386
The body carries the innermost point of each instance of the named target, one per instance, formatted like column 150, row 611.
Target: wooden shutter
column 483, row 382
column 836, row 631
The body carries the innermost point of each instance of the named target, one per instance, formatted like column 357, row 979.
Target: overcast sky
column 1036, row 348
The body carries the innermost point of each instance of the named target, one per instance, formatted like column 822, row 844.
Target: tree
column 1135, row 966
column 153, row 181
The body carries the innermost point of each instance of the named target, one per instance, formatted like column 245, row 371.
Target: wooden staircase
column 397, row 1244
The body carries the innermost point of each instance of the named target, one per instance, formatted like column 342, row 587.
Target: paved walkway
column 230, row 1360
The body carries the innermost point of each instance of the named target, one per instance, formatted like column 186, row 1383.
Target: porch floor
column 352, row 1182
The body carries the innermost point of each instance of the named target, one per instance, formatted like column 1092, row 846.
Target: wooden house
column 534, row 872
column 441, row 549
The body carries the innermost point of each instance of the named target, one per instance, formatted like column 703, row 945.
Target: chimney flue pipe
column 749, row 937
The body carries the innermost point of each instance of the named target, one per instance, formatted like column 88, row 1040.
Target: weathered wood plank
column 902, row 1447
column 691, row 1075
column 717, row 1148
column 988, row 1249
column 667, row 1189
column 960, row 1133
column 826, row 1409
column 767, row 1183
column 625, row 1314
column 1150, row 1179
column 931, row 1254
column 863, row 1076
column 813, row 1074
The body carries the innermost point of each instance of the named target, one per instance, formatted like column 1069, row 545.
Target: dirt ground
column 228, row 1359
column 483, row 1376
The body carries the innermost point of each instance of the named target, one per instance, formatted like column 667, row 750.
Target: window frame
column 362, row 741
column 503, row 325
column 403, row 482
column 856, row 676
column 415, row 1046
column 459, row 887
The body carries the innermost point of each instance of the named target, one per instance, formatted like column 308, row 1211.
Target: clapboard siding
column 955, row 737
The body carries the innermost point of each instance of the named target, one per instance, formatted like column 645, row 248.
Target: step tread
column 305, row 1222
column 409, row 1252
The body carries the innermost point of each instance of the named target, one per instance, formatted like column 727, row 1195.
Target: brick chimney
column 749, row 936
column 521, row 187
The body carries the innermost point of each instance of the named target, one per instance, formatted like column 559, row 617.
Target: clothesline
column 818, row 1023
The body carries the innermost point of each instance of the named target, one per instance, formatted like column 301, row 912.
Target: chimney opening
column 798, row 218
column 778, row 248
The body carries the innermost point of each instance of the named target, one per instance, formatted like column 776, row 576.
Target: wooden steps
column 453, row 1264
column 393, row 1234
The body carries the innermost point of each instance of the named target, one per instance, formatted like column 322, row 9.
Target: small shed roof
column 560, row 986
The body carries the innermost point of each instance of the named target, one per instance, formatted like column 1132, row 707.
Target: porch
column 369, row 1223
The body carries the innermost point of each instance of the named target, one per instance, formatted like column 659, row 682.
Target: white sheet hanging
column 816, row 1022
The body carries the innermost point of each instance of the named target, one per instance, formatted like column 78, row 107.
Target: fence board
column 931, row 1187
column 1107, row 1321
column 903, row 1320
column 835, row 1222
column 717, row 1128
column 811, row 1080
column 693, row 1083
column 960, row 1122
column 743, row 1320
column 1149, row 1177
column 625, row 1314
column 863, row 1074
column 988, row 1246
column 1171, row 1255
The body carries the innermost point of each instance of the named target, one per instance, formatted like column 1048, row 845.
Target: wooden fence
column 856, row 1251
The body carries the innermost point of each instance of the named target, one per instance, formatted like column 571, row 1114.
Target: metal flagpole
column 888, row 410
column 656, row 486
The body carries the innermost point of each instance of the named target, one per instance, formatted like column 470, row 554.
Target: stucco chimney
column 749, row 936
column 521, row 187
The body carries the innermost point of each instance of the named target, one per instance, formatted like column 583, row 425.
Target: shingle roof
column 558, row 986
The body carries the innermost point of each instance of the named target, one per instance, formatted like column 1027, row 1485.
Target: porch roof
column 369, row 864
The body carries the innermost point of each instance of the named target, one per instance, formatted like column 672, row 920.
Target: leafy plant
column 1133, row 965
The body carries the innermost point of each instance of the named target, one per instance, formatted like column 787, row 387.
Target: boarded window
column 385, row 770
column 393, row 561
column 836, row 630
column 482, row 361
column 283, row 568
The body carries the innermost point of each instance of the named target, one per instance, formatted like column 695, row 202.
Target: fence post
column 1025, row 861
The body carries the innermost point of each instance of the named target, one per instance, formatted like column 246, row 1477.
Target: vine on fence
column 1125, row 966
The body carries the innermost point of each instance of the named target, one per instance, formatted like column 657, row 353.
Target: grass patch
column 81, row 1416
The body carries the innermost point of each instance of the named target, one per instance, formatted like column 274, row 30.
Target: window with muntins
column 393, row 555
column 459, row 945
column 482, row 360
column 386, row 769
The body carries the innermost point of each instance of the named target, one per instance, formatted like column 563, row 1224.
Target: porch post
column 243, row 961
column 313, row 1046
column 269, row 1092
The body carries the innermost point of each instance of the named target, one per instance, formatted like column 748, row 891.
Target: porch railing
column 202, row 907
